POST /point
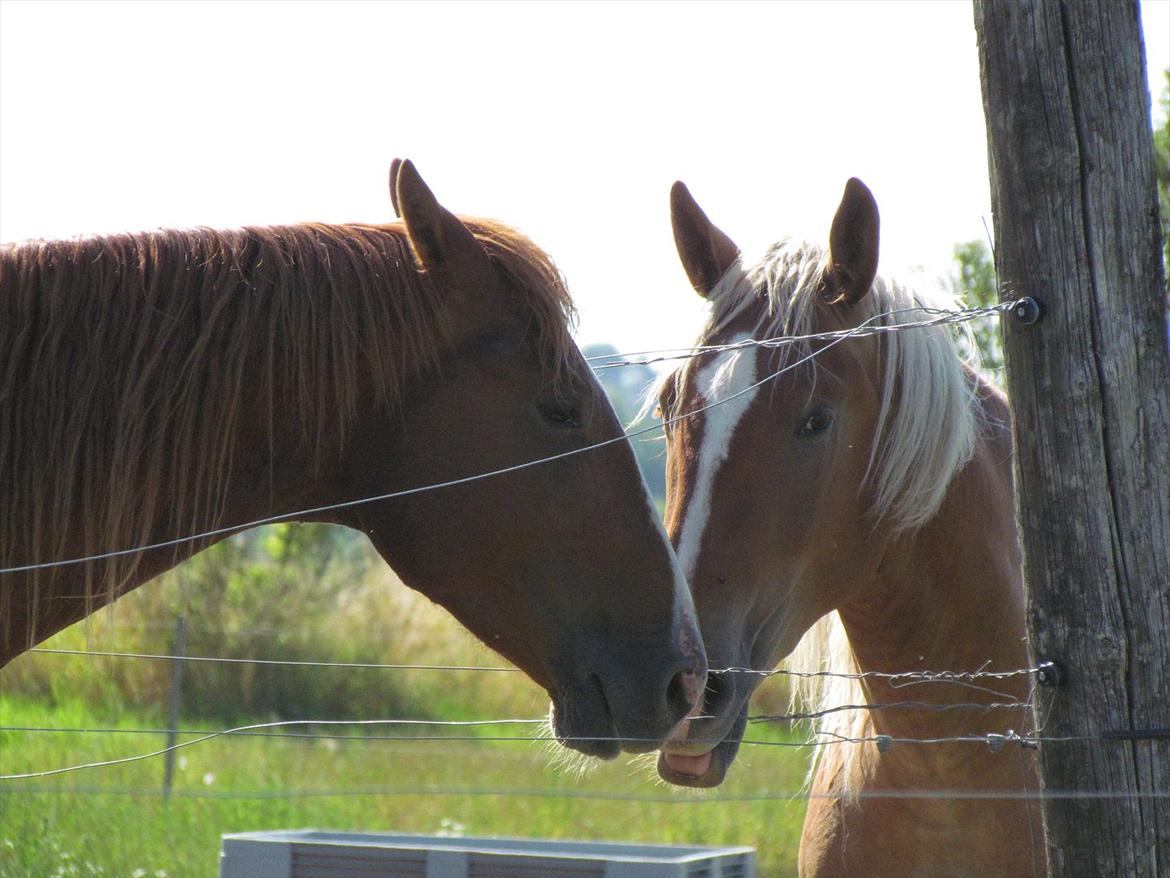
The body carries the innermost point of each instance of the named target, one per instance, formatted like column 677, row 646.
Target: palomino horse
column 171, row 383
column 870, row 488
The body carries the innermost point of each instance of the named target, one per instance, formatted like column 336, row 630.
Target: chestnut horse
column 171, row 383
column 870, row 488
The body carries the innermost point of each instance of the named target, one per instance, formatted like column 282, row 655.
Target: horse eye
column 816, row 422
column 560, row 414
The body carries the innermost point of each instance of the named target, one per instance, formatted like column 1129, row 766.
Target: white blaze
column 728, row 374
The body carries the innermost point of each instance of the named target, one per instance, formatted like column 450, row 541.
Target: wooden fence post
column 1075, row 208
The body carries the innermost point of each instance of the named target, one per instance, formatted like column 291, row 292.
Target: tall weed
column 286, row 592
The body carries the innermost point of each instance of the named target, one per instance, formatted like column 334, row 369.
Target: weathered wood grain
column 1075, row 208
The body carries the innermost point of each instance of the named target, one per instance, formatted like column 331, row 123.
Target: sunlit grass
column 114, row 821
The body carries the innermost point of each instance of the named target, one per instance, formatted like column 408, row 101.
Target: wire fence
column 540, row 726
column 869, row 327
column 805, row 795
column 939, row 317
column 422, row 730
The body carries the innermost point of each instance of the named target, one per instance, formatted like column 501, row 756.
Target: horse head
column 559, row 563
column 767, row 492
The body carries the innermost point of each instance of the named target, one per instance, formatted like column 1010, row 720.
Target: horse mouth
column 582, row 720
column 678, row 765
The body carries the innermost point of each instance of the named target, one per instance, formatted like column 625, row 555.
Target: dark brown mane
column 129, row 360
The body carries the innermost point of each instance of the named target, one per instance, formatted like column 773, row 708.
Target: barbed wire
column 760, row 718
column 994, row 740
column 314, row 736
column 277, row 662
column 927, row 706
column 942, row 316
column 680, row 797
column 822, row 739
column 280, row 724
column 892, row 677
column 867, row 327
column 899, row 678
column 906, row 679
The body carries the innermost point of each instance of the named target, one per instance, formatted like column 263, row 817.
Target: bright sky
column 568, row 120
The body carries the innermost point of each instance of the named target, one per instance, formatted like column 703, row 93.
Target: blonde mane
column 926, row 424
column 927, row 427
column 131, row 361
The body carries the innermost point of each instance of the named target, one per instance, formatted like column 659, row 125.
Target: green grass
column 114, row 822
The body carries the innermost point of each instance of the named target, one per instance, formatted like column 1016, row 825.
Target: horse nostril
column 720, row 693
column 685, row 690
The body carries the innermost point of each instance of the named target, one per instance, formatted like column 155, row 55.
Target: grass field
column 250, row 598
column 114, row 822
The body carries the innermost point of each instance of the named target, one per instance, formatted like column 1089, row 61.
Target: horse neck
column 949, row 597
column 269, row 474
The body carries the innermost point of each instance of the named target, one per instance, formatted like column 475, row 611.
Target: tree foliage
column 973, row 276
column 973, row 280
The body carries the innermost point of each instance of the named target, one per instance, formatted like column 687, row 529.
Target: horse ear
column 441, row 243
column 706, row 252
column 395, row 166
column 853, row 246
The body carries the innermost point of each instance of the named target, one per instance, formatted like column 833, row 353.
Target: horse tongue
column 692, row 766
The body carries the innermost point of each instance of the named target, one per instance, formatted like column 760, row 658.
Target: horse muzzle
column 627, row 706
column 705, row 745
